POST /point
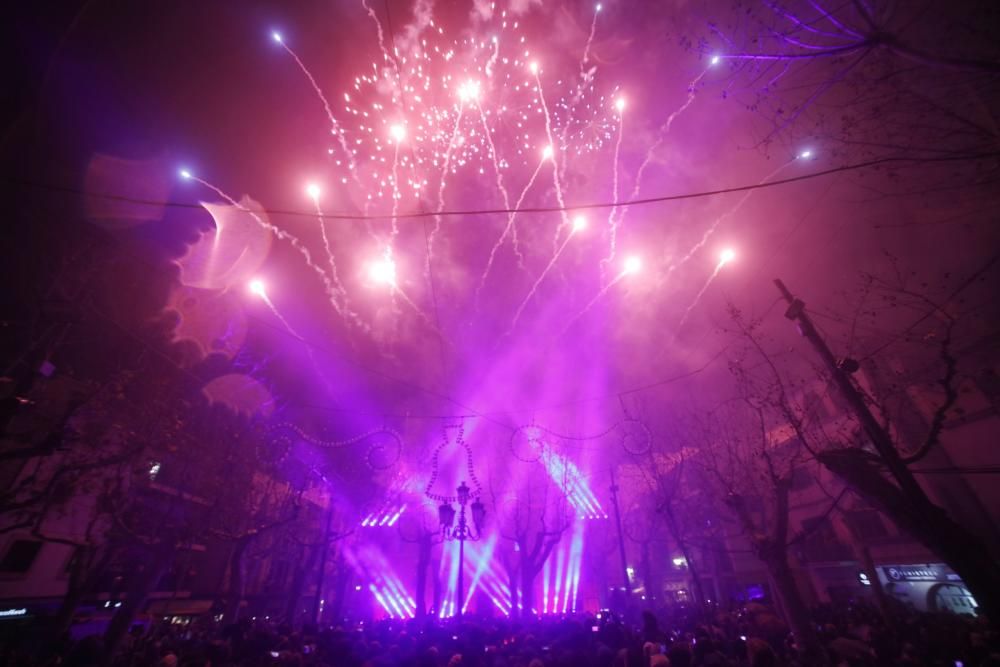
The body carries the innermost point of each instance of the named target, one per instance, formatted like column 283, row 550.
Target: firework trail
column 501, row 187
column 590, row 42
column 731, row 212
column 396, row 289
column 346, row 308
column 718, row 267
column 441, row 187
column 552, row 262
column 491, row 63
column 612, row 224
column 281, row 318
column 335, row 128
column 329, row 287
column 510, row 223
column 262, row 293
column 556, row 181
column 388, row 57
column 395, row 192
column 662, row 135
column 586, row 76
column 329, row 251
column 597, row 297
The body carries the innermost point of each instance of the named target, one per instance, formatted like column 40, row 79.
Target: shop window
column 21, row 554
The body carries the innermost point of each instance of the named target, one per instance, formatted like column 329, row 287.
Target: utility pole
column 908, row 504
column 841, row 376
column 621, row 535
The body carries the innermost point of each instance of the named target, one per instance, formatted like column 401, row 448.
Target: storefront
column 927, row 587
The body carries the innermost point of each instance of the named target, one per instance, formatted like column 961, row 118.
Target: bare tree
column 747, row 457
column 419, row 527
column 533, row 518
column 882, row 438
column 876, row 77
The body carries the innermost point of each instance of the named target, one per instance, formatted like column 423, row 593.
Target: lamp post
column 462, row 532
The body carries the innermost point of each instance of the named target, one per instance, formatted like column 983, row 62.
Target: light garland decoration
column 477, row 487
column 393, row 437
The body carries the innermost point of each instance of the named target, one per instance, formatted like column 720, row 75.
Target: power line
column 415, row 215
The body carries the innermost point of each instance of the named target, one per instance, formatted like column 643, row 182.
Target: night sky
column 114, row 99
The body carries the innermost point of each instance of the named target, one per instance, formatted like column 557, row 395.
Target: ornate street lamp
column 462, row 532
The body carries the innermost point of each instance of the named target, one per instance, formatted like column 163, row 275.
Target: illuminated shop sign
column 929, row 572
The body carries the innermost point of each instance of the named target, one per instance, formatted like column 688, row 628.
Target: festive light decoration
column 727, row 255
column 632, row 265
column 313, row 191
column 477, row 487
column 636, row 438
column 385, row 444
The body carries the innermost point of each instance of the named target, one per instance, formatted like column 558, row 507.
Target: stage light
column 579, row 223
column 727, row 255
column 397, row 132
column 715, row 60
column 312, row 190
column 533, row 67
column 620, row 104
column 185, row 174
column 547, row 152
column 276, row 36
column 598, row 7
column 633, row 264
column 256, row 286
column 805, row 154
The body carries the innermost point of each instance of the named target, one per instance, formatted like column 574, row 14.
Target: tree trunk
column 675, row 532
column 527, row 590
column 693, row 572
column 298, row 583
column 796, row 612
column 437, row 594
column 515, row 598
column 423, row 563
column 963, row 551
column 341, row 579
column 139, row 589
column 864, row 556
column 234, row 598
column 81, row 576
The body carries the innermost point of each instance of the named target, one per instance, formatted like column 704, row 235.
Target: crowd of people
column 751, row 636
